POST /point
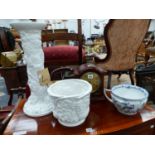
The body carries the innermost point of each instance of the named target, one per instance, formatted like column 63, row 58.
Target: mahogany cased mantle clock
column 95, row 76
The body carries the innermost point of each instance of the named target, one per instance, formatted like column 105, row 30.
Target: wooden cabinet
column 15, row 77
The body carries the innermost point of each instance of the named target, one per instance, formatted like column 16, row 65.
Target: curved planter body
column 72, row 103
column 39, row 102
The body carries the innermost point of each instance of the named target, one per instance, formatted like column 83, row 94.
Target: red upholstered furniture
column 64, row 55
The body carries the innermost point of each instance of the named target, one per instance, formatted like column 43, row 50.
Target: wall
column 152, row 25
column 87, row 25
column 71, row 24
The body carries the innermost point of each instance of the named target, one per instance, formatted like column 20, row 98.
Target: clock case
column 85, row 68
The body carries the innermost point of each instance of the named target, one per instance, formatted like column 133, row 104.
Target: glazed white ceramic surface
column 39, row 102
column 71, row 100
column 129, row 92
column 128, row 99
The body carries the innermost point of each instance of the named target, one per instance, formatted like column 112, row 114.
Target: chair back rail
column 60, row 36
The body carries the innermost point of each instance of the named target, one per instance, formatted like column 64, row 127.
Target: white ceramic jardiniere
column 128, row 99
column 71, row 100
column 39, row 102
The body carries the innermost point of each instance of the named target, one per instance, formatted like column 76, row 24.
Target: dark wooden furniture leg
column 131, row 74
column 80, row 41
column 10, row 98
column 20, row 91
column 119, row 75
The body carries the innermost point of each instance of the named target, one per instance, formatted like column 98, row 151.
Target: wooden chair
column 123, row 38
column 63, row 55
column 60, row 55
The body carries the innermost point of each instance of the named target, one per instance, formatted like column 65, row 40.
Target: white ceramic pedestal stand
column 39, row 102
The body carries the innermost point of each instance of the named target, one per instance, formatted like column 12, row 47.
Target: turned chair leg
column 119, row 75
column 109, row 80
column 131, row 74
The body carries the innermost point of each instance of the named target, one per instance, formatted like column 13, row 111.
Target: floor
column 115, row 80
